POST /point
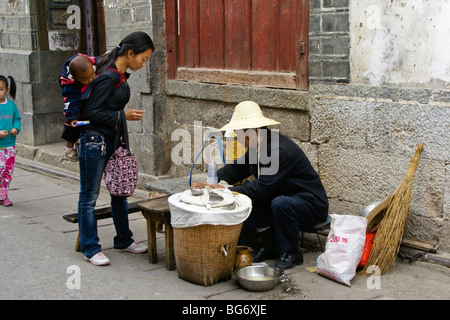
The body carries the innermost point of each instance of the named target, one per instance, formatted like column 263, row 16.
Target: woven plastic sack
column 345, row 244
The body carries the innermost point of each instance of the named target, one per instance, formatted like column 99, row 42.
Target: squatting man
column 283, row 200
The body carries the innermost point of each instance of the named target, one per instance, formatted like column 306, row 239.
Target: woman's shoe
column 135, row 247
column 98, row 260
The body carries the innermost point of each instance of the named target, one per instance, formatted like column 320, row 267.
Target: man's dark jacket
column 295, row 176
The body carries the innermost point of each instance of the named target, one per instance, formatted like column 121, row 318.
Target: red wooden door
column 253, row 42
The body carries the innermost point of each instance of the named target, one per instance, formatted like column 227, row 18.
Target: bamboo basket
column 205, row 254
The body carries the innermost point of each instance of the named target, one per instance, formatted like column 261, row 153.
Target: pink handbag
column 121, row 171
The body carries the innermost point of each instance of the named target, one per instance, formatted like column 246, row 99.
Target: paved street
column 39, row 261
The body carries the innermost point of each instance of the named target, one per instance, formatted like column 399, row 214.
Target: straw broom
column 393, row 212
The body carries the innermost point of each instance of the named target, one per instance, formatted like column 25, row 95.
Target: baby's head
column 82, row 70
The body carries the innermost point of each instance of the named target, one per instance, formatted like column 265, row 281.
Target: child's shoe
column 6, row 203
column 70, row 154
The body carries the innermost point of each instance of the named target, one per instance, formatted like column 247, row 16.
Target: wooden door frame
column 41, row 21
column 98, row 28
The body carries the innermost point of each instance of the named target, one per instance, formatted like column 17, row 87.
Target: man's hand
column 201, row 185
column 216, row 186
column 198, row 185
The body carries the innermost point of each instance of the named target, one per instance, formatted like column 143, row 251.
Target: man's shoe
column 265, row 254
column 268, row 249
column 98, row 260
column 135, row 247
column 290, row 259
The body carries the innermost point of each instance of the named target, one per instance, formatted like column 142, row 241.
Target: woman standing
column 104, row 109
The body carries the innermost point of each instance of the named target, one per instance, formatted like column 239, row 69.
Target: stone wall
column 366, row 136
column 38, row 95
column 213, row 106
column 123, row 18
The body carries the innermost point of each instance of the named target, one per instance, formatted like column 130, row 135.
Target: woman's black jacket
column 110, row 93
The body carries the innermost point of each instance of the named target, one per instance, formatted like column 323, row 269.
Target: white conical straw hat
column 248, row 114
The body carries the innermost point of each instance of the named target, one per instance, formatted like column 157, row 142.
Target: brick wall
column 17, row 25
column 329, row 37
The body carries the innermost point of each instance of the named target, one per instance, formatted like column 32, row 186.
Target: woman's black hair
column 12, row 90
column 137, row 41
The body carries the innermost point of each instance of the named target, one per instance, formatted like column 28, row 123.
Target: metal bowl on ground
column 259, row 277
column 369, row 208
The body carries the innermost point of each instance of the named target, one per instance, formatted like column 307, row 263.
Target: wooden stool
column 157, row 210
column 317, row 228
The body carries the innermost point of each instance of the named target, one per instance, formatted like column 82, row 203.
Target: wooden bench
column 157, row 211
column 100, row 213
